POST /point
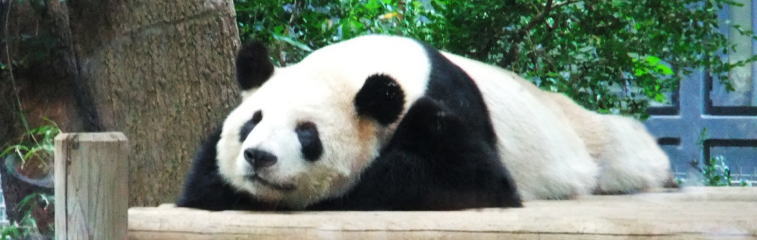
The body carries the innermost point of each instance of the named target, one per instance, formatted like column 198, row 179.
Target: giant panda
column 330, row 134
column 389, row 123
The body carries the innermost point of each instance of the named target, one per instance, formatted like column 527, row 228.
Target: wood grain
column 695, row 213
column 91, row 185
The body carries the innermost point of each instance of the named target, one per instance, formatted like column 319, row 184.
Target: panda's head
column 302, row 133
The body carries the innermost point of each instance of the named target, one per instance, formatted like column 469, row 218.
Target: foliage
column 715, row 172
column 31, row 156
column 298, row 27
column 609, row 55
column 34, row 149
column 28, row 226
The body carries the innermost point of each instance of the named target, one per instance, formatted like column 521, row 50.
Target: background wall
column 707, row 122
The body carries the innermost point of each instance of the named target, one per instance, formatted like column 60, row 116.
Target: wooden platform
column 692, row 213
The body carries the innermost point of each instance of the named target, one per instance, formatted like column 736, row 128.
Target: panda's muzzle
column 259, row 159
column 279, row 187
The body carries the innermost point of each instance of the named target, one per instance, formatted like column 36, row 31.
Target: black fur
column 259, row 159
column 253, row 66
column 204, row 187
column 380, row 98
column 249, row 125
column 451, row 86
column 307, row 133
column 433, row 162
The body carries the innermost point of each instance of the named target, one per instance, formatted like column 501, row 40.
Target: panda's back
column 550, row 157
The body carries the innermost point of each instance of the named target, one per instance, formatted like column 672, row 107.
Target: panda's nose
column 259, row 159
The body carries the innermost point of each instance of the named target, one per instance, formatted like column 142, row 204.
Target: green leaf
column 292, row 42
column 640, row 72
column 659, row 98
column 372, row 5
column 26, row 202
column 652, row 60
column 278, row 30
column 664, row 69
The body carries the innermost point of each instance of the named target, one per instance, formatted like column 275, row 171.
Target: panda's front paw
column 432, row 118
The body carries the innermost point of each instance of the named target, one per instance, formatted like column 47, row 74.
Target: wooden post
column 91, row 191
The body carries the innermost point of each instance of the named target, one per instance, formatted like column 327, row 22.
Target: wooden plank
column 696, row 213
column 91, row 186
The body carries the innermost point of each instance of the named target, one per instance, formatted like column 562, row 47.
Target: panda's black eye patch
column 307, row 133
column 249, row 125
column 257, row 117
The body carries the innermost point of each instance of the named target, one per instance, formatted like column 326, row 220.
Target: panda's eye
column 307, row 133
column 257, row 117
column 249, row 125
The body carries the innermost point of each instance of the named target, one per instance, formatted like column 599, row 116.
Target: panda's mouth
column 279, row 187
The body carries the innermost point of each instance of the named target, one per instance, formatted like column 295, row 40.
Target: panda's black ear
column 253, row 66
column 380, row 98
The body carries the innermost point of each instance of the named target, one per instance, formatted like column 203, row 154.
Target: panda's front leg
column 429, row 126
column 433, row 162
column 460, row 168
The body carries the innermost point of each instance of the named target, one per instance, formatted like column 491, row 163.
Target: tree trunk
column 41, row 82
column 159, row 71
column 162, row 73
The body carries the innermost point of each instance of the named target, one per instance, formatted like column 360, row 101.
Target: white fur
column 544, row 154
column 632, row 160
column 629, row 158
column 550, row 151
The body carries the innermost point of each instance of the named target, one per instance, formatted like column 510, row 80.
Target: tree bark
column 162, row 73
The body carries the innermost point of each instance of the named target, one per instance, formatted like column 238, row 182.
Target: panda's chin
column 260, row 181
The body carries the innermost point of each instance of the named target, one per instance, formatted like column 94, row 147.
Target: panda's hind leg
column 631, row 161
